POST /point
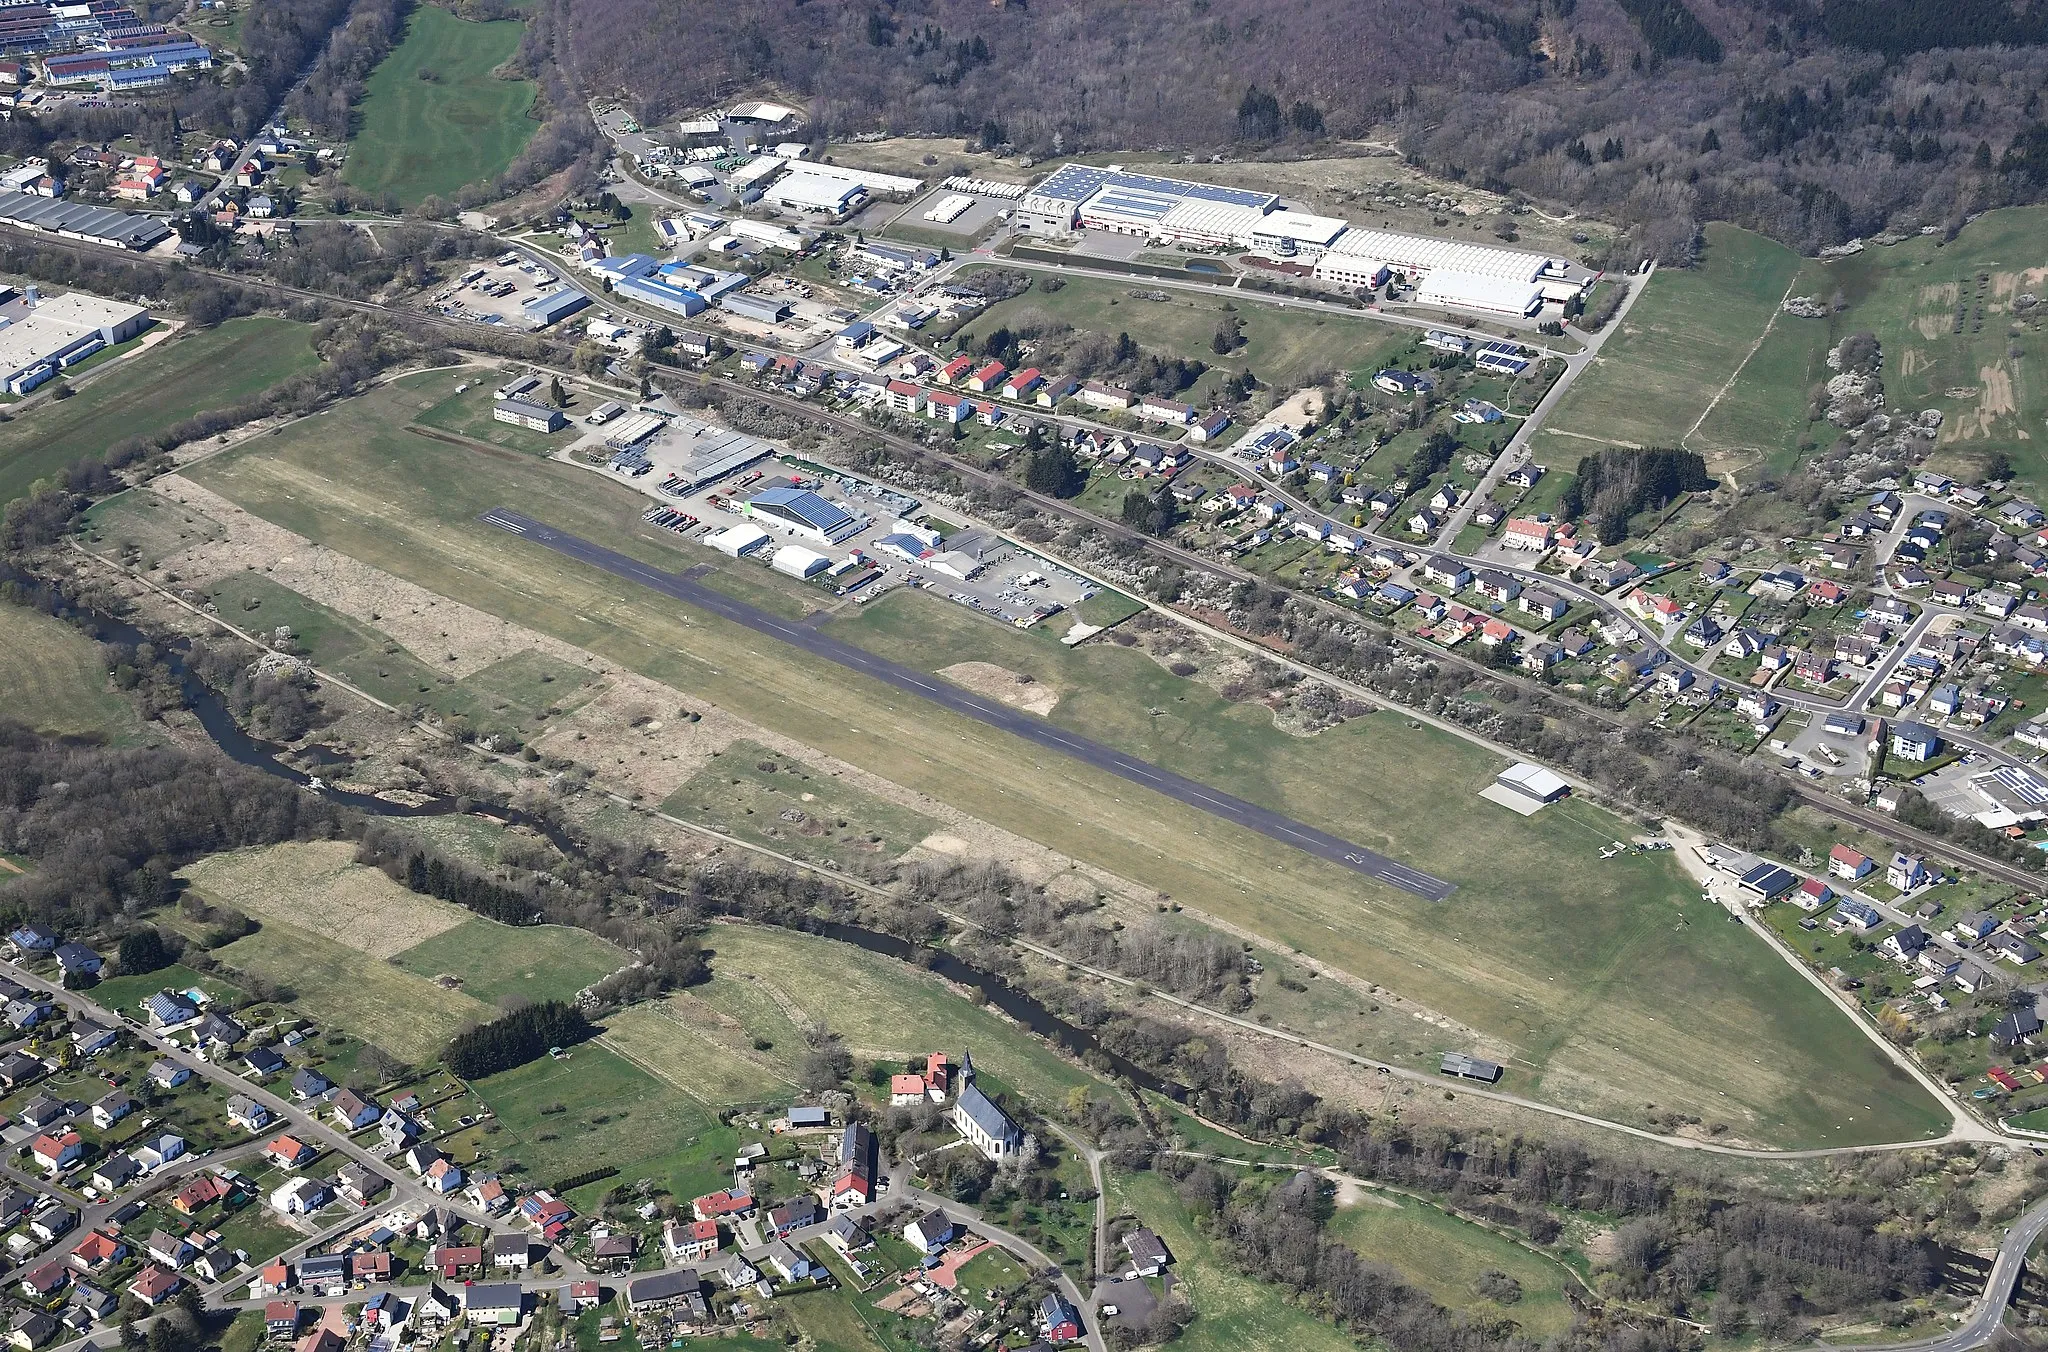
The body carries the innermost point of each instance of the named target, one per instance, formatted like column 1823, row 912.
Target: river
column 235, row 742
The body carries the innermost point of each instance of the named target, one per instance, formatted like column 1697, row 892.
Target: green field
column 1601, row 996
column 55, row 681
column 1445, row 1256
column 145, row 528
column 840, row 823
column 1233, row 1312
column 592, row 1107
column 1683, row 338
column 1987, row 382
column 1284, row 347
column 536, row 962
column 1690, row 330
column 469, row 414
column 404, row 1014
column 435, row 116
column 765, row 980
column 181, row 376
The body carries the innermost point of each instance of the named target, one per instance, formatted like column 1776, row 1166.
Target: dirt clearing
column 1014, row 688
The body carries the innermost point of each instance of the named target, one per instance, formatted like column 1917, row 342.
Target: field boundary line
column 1736, row 374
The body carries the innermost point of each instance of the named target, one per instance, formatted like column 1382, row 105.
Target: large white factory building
column 1445, row 272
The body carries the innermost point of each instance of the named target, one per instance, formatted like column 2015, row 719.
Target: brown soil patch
column 1997, row 390
column 1931, row 327
column 1013, row 688
column 1994, row 400
column 1912, row 360
column 1944, row 294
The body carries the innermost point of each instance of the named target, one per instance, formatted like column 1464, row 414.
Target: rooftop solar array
column 1079, row 182
column 103, row 224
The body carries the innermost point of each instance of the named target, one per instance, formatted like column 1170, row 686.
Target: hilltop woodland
column 1810, row 120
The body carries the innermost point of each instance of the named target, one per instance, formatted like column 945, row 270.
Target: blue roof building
column 542, row 311
column 804, row 513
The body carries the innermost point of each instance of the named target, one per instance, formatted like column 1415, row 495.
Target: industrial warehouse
column 1453, row 273
column 41, row 338
column 74, row 220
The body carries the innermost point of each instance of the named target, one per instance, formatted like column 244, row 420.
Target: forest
column 1496, row 93
column 1609, row 488
column 526, row 1034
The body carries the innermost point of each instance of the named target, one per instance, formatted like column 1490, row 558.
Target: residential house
column 159, row 1150
column 247, row 1113
column 2012, row 948
column 168, row 1074
column 288, row 1152
column 1904, row 873
column 112, row 1109
column 97, row 1252
column 300, row 1196
column 510, row 1251
column 1904, row 944
column 1915, row 741
column 309, row 1084
column 115, row 1172
column 354, row 1112
column 930, row 1232
column 199, row 1194
column 360, row 1184
column 90, row 1039
column 689, row 1241
column 78, row 960
column 56, row 1151
column 155, row 1285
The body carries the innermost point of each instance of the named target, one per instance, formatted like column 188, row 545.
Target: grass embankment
column 1581, row 966
column 435, row 116
column 146, row 393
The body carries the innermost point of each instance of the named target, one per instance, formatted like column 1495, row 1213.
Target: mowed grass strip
column 1446, row 1257
column 318, row 886
column 1583, row 966
column 434, row 116
column 56, row 682
column 1683, row 338
column 532, row 962
column 671, row 1051
column 404, row 1014
column 1233, row 1312
column 147, row 392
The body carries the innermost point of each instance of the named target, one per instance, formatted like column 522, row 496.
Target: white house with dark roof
column 981, row 1119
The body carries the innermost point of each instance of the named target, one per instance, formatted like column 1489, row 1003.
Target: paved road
column 1191, row 792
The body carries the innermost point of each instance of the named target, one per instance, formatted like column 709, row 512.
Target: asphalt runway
column 1037, row 730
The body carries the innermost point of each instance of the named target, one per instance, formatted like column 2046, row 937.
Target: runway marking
column 1181, row 789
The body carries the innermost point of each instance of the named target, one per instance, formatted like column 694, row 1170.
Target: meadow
column 470, row 414
column 317, row 886
column 1233, row 1312
column 1683, row 338
column 149, row 391
column 530, row 962
column 56, row 683
column 1284, row 347
column 1690, row 330
column 405, row 1014
column 785, row 805
column 1446, row 1256
column 1586, row 970
column 435, row 115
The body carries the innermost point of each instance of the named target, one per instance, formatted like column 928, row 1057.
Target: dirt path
column 1729, row 384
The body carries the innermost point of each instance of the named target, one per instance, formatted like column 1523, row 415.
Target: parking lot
column 964, row 227
column 493, row 293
